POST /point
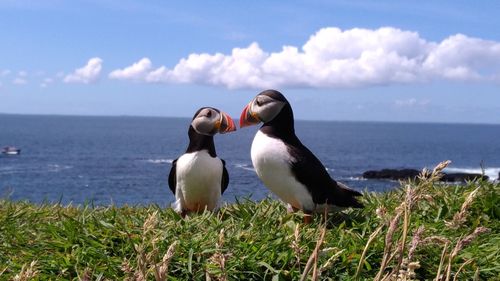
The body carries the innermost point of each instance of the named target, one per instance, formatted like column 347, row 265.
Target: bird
column 198, row 178
column 286, row 166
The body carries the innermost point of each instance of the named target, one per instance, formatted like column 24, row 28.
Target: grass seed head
column 417, row 239
column 28, row 272
column 461, row 216
column 150, row 223
column 462, row 243
column 165, row 262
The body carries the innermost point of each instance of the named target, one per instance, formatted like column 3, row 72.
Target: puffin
column 198, row 178
column 286, row 166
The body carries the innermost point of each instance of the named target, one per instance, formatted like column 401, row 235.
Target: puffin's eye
column 209, row 114
column 257, row 101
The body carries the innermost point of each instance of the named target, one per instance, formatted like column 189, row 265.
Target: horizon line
column 296, row 119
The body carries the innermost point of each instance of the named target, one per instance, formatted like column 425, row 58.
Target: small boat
column 11, row 150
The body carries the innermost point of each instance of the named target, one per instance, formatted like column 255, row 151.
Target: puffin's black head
column 265, row 107
column 210, row 121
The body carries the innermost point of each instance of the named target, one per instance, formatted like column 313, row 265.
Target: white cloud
column 5, row 72
column 46, row 82
column 411, row 102
column 334, row 58
column 19, row 81
column 22, row 73
column 460, row 57
column 137, row 71
column 86, row 74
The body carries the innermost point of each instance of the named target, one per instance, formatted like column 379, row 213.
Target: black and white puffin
column 285, row 165
column 198, row 177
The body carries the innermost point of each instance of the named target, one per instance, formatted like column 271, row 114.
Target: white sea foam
column 353, row 178
column 492, row 173
column 160, row 161
column 57, row 167
column 247, row 167
column 8, row 170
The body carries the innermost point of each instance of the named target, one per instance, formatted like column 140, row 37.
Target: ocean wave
column 57, row 168
column 353, row 178
column 8, row 170
column 247, row 167
column 492, row 173
column 159, row 161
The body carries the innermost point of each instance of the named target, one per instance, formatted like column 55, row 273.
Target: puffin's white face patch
column 271, row 160
column 205, row 122
column 266, row 107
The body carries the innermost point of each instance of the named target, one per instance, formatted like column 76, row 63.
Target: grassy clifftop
column 418, row 232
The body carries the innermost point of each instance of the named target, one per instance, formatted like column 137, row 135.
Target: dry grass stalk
column 427, row 177
column 413, row 194
column 388, row 244
column 440, row 167
column 469, row 238
column 313, row 259
column 461, row 216
column 127, row 269
column 86, row 275
column 149, row 224
column 27, row 272
column 330, row 261
column 441, row 262
column 295, row 245
column 141, row 272
column 463, row 242
column 476, row 274
column 365, row 250
column 435, row 240
column 219, row 258
column 147, row 260
column 416, row 240
column 406, row 224
column 161, row 268
column 461, row 267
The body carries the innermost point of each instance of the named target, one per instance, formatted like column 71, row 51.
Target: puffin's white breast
column 271, row 161
column 199, row 178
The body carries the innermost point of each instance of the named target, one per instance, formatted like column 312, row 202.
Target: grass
column 422, row 231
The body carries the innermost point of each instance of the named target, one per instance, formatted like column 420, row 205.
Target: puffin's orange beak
column 248, row 118
column 226, row 124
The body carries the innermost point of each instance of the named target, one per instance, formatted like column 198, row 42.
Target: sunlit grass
column 419, row 232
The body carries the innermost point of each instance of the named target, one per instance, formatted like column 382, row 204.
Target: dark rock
column 403, row 174
column 392, row 174
column 462, row 177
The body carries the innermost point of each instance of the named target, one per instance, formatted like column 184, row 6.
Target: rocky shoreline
column 404, row 174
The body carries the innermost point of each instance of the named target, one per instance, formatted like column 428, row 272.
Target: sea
column 126, row 160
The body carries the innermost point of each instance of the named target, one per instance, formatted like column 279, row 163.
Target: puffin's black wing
column 225, row 178
column 172, row 177
column 309, row 171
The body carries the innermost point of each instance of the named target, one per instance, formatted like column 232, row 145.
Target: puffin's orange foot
column 307, row 218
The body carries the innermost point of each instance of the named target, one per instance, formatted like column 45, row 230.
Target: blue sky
column 434, row 61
